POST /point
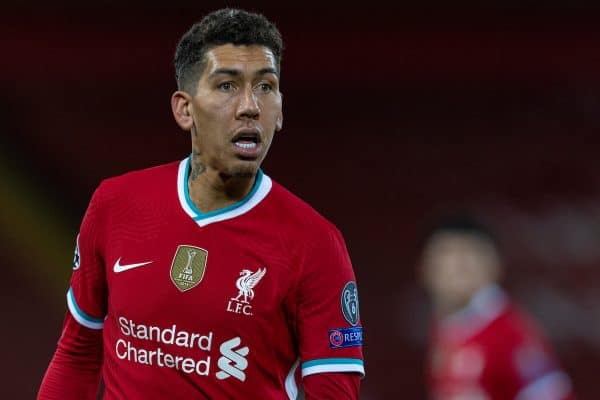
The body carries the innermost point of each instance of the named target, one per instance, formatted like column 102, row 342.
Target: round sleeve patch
column 349, row 300
column 76, row 258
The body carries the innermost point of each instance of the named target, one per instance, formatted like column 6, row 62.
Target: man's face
column 236, row 109
column 456, row 266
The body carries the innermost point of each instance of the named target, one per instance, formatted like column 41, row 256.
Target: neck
column 445, row 308
column 211, row 190
column 486, row 298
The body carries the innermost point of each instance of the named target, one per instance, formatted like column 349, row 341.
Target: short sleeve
column 87, row 295
column 525, row 361
column 539, row 373
column 329, row 330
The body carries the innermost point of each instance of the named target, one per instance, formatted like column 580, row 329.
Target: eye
column 226, row 86
column 265, row 87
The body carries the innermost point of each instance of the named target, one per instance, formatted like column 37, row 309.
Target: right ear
column 181, row 104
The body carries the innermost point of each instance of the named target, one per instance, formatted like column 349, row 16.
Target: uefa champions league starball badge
column 349, row 300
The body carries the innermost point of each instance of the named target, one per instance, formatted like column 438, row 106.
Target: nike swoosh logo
column 120, row 268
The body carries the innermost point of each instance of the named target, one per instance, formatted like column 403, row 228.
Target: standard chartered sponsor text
column 156, row 356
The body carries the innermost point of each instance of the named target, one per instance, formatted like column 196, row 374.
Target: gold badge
column 187, row 269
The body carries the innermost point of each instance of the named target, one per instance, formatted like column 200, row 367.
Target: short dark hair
column 464, row 224
column 224, row 26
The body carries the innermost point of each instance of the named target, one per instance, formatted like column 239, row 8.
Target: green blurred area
column 34, row 230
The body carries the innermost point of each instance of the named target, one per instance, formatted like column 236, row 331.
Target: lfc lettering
column 239, row 308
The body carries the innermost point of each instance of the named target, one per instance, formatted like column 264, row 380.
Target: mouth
column 247, row 142
column 246, row 138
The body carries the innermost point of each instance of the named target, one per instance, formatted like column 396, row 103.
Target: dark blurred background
column 393, row 114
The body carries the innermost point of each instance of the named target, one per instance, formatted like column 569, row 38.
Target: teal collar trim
column 260, row 189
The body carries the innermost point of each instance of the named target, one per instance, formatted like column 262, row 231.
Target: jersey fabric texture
column 492, row 351
column 236, row 303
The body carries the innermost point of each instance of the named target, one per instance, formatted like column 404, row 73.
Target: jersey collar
column 262, row 187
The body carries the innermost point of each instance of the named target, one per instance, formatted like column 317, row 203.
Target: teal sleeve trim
column 327, row 361
column 79, row 315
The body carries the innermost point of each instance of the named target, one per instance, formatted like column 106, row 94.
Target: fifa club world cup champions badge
column 187, row 269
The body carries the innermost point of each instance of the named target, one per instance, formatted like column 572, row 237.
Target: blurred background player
column 482, row 346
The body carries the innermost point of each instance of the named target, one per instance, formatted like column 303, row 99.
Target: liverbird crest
column 246, row 283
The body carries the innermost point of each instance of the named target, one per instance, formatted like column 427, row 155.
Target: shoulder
column 526, row 326
column 514, row 327
column 143, row 179
column 135, row 190
column 299, row 214
column 516, row 320
column 306, row 233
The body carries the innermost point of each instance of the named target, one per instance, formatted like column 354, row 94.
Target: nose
column 248, row 106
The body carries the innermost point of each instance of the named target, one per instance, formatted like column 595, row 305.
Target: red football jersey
column 236, row 303
column 491, row 351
